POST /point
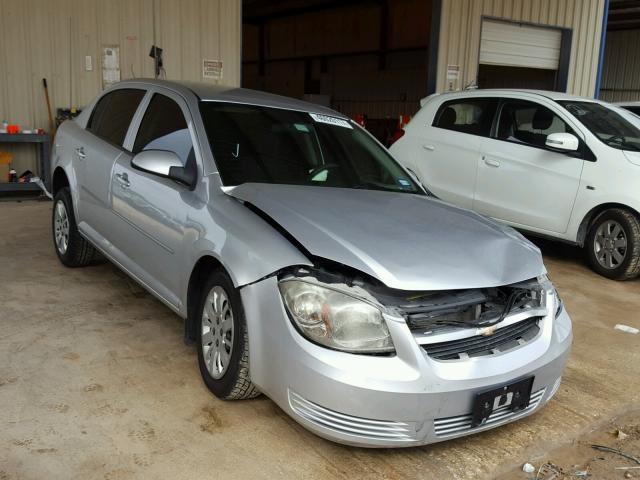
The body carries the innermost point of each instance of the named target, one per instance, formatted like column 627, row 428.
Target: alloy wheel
column 217, row 332
column 61, row 227
column 610, row 244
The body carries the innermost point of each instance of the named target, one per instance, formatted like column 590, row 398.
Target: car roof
column 223, row 93
column 501, row 91
column 628, row 103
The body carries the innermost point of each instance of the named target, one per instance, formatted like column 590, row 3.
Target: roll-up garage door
column 515, row 45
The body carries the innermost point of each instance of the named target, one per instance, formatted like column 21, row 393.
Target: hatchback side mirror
column 567, row 142
column 164, row 164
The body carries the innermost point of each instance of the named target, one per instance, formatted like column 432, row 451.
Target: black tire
column 78, row 252
column 235, row 382
column 629, row 266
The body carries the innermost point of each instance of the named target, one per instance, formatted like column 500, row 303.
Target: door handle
column 491, row 162
column 123, row 179
column 430, row 148
column 80, row 153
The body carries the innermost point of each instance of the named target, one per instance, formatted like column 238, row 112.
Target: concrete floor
column 96, row 382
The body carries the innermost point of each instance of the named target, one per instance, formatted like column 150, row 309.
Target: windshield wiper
column 375, row 186
column 621, row 142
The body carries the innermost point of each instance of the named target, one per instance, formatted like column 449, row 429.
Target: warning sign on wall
column 212, row 69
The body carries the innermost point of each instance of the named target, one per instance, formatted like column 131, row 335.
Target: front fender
column 246, row 245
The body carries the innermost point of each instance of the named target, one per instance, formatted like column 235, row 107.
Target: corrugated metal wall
column 50, row 39
column 460, row 35
column 621, row 73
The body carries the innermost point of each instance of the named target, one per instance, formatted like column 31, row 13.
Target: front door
column 520, row 180
column 152, row 210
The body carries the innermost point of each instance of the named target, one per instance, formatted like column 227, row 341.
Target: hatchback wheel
column 223, row 346
column 613, row 244
column 72, row 249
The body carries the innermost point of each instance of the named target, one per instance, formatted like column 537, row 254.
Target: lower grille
column 349, row 425
column 462, row 423
column 503, row 339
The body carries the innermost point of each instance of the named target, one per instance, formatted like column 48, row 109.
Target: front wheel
column 613, row 244
column 223, row 343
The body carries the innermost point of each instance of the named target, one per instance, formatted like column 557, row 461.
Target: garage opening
column 515, row 55
column 368, row 59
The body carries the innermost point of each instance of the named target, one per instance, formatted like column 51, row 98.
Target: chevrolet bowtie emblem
column 487, row 331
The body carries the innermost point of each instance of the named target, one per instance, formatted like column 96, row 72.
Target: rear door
column 520, row 180
column 152, row 211
column 97, row 149
column 450, row 148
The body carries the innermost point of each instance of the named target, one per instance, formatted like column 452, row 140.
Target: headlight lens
column 336, row 320
column 557, row 301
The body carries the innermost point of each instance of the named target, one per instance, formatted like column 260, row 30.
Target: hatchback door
column 152, row 211
column 520, row 180
column 96, row 151
column 450, row 148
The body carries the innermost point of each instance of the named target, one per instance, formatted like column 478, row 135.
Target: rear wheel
column 72, row 249
column 613, row 244
column 223, row 343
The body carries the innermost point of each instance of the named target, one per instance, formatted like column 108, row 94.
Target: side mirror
column 164, row 164
column 566, row 142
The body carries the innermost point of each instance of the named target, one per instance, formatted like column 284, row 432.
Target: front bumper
column 407, row 399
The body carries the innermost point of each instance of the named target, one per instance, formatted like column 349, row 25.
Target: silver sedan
column 308, row 265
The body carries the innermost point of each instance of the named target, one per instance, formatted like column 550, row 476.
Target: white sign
column 110, row 65
column 338, row 122
column 212, row 69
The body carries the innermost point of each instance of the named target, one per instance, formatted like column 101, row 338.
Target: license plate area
column 514, row 396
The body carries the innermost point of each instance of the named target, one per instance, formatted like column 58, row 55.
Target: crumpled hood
column 408, row 242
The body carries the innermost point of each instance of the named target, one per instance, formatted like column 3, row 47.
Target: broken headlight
column 546, row 285
column 335, row 319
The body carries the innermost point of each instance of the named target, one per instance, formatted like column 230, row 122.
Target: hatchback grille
column 350, row 425
column 503, row 339
column 462, row 423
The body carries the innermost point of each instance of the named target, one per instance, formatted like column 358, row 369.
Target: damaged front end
column 341, row 308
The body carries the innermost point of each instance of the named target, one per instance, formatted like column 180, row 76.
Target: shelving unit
column 43, row 145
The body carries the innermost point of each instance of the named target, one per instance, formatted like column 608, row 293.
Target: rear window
column 113, row 113
column 470, row 115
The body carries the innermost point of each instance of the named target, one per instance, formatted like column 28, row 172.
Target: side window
column 112, row 114
column 468, row 115
column 528, row 123
column 164, row 127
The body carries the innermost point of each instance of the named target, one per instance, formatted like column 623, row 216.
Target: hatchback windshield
column 271, row 145
column 606, row 124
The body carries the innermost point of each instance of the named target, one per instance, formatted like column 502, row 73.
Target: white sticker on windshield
column 338, row 122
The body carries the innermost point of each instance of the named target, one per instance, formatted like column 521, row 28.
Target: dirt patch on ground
column 580, row 460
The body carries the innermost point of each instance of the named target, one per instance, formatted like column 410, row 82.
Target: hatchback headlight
column 334, row 319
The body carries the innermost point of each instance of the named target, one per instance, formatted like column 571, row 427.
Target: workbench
column 43, row 144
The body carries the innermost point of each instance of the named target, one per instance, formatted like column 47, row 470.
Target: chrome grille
column 350, row 425
column 503, row 339
column 462, row 423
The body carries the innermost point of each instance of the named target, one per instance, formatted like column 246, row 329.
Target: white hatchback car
column 547, row 163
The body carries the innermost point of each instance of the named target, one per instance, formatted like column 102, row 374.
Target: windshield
column 271, row 145
column 606, row 124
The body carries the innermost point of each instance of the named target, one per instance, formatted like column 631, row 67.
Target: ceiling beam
column 623, row 5
column 261, row 11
